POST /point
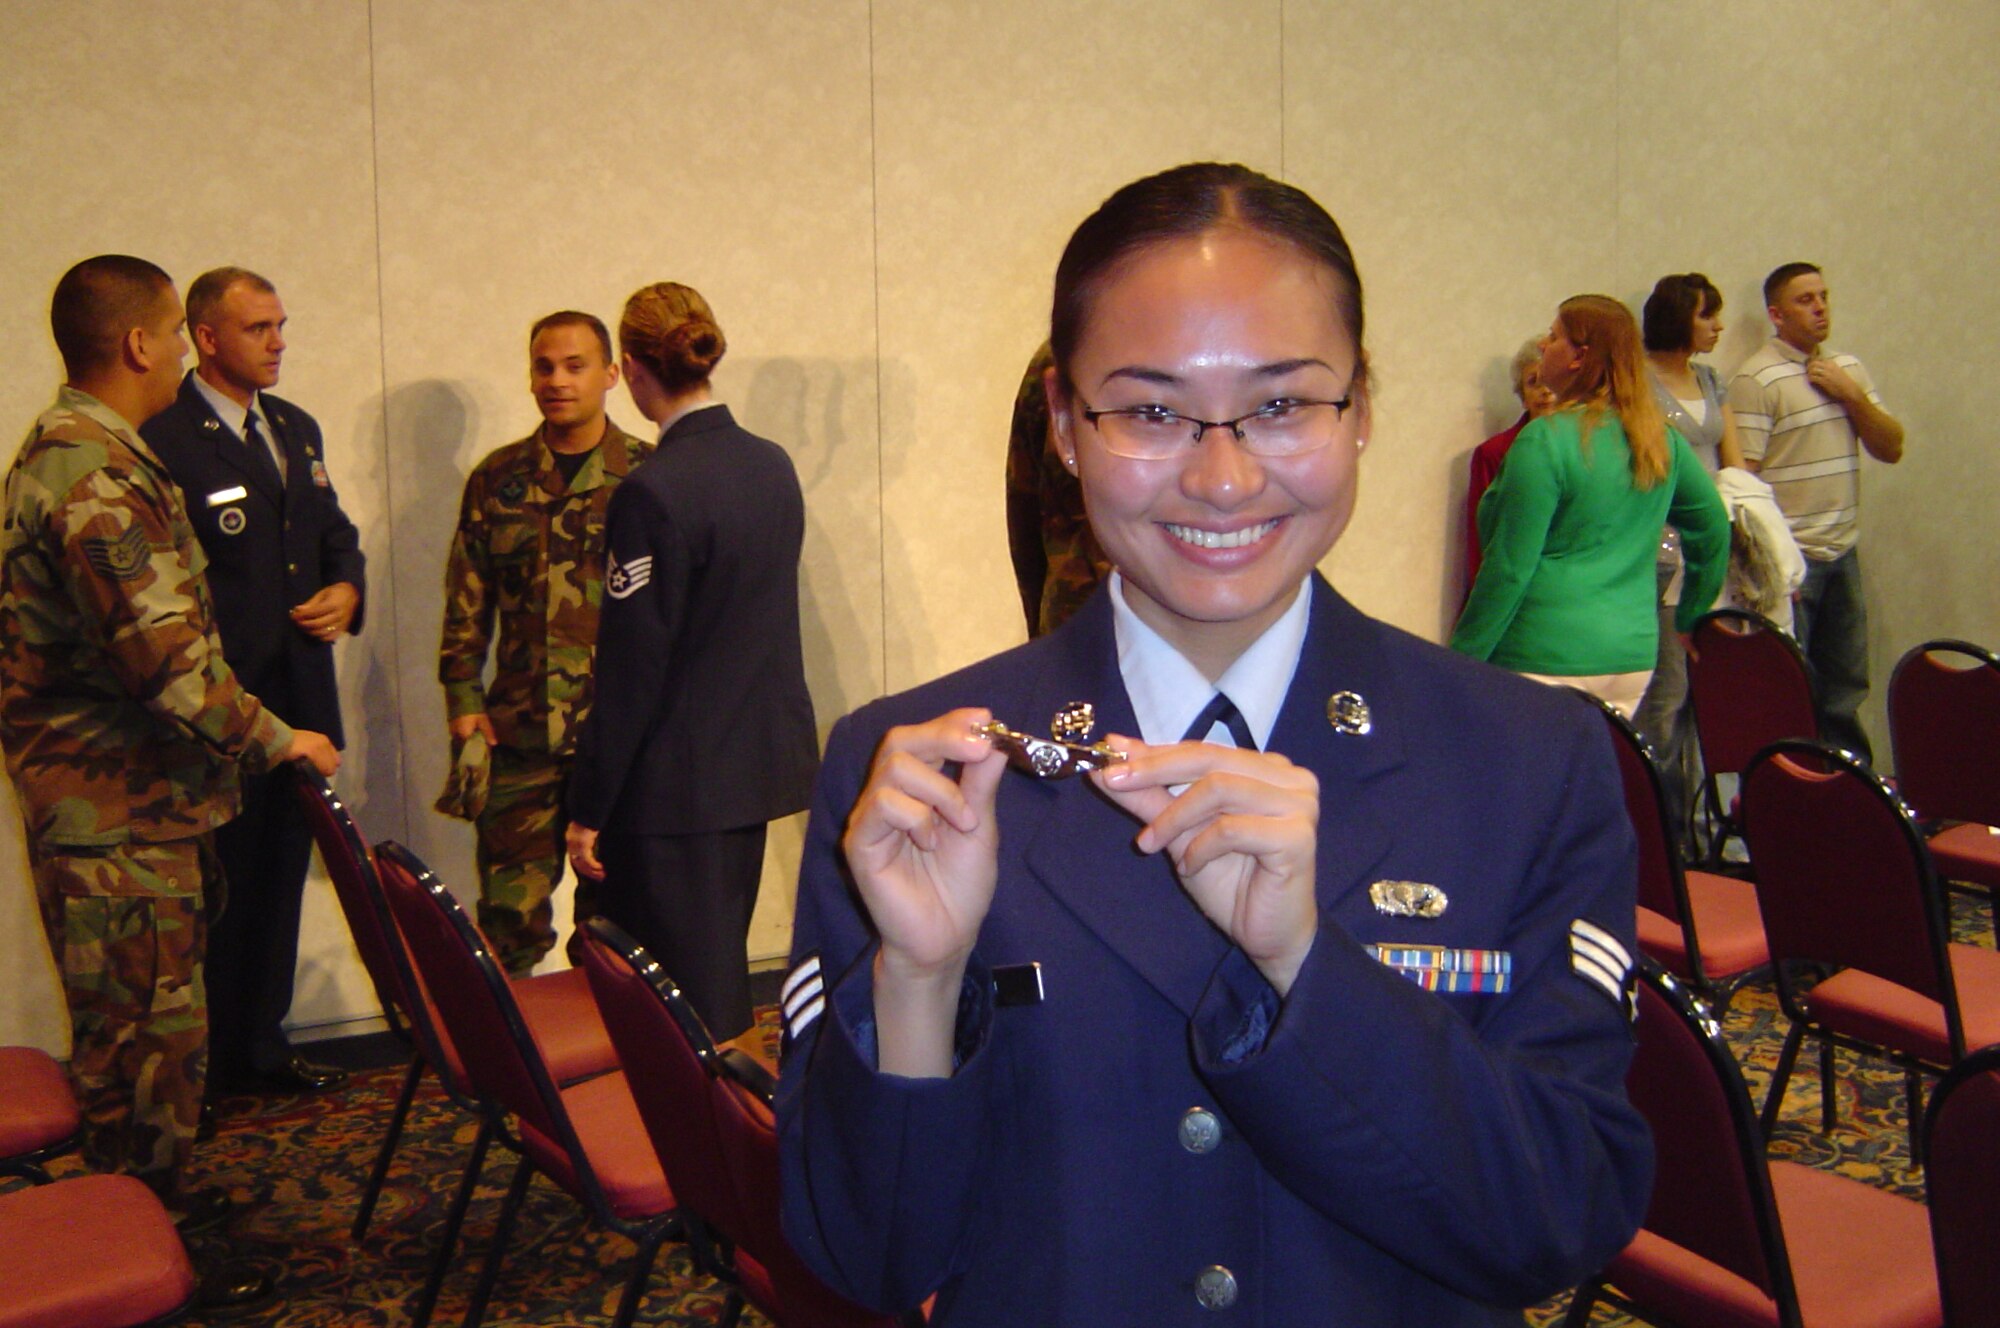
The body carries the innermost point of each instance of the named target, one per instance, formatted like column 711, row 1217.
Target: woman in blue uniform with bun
column 1310, row 1006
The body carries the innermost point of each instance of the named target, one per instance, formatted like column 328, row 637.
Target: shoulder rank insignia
column 1408, row 899
column 1602, row 960
column 621, row 580
column 802, row 998
column 1436, row 968
column 121, row 559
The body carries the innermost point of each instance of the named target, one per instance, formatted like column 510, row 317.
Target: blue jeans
column 1833, row 631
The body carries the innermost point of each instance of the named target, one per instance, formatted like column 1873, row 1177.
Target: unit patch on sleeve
column 1601, row 959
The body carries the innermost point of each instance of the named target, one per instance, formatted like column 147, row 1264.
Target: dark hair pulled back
column 670, row 329
column 1186, row 201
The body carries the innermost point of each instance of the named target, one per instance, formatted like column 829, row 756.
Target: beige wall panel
column 1865, row 139
column 532, row 160
column 1433, row 133
column 194, row 135
column 998, row 128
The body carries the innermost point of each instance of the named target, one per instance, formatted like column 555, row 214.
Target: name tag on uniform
column 221, row 496
column 1437, row 968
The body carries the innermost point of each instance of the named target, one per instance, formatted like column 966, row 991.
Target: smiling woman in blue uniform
column 1311, row 1006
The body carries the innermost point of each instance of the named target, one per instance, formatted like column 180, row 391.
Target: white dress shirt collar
column 1167, row 691
column 227, row 410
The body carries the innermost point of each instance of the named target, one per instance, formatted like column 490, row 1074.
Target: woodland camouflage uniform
column 529, row 554
column 123, row 730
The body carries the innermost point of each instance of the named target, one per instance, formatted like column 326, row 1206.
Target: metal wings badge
column 1407, row 899
column 1068, row 752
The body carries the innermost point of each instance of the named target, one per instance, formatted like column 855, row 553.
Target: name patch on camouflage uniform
column 121, row 559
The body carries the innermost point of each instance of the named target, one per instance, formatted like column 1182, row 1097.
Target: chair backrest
column 1750, row 685
column 1843, row 876
column 1711, row 1183
column 476, row 1005
column 400, row 988
column 1944, row 724
column 668, row 1058
column 1662, row 881
column 1962, row 1172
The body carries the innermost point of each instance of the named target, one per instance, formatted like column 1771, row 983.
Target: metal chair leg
column 503, row 1231
column 1582, row 1303
column 1914, row 1084
column 454, row 1219
column 642, row 1271
column 1775, row 1099
column 390, row 1139
column 1829, row 1104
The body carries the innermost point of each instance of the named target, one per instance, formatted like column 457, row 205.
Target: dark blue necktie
column 260, row 453
column 1221, row 710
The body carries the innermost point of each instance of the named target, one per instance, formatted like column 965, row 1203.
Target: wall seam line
column 388, row 468
column 875, row 277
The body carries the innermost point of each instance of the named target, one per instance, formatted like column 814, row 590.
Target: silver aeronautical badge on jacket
column 1348, row 713
column 232, row 520
column 1408, row 899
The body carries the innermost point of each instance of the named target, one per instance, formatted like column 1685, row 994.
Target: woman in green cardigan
column 1569, row 531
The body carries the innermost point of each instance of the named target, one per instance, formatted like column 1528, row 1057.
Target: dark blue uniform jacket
column 269, row 548
column 1388, row 1155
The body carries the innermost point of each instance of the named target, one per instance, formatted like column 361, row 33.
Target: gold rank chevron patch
column 121, row 559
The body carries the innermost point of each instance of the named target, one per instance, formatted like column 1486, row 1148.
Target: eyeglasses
column 1288, row 427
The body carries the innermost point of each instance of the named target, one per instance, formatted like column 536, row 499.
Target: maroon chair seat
column 1968, row 852
column 1962, row 1141
column 1881, row 1011
column 38, row 1112
column 1751, row 687
column 91, row 1252
column 707, row 1113
column 587, row 1137
column 1846, row 886
column 1732, row 1240
column 1702, row 927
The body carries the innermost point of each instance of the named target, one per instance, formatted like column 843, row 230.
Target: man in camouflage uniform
column 530, row 553
column 123, row 725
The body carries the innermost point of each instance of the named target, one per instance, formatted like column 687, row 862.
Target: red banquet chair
column 1731, row 1238
column 1702, row 927
column 587, row 1137
column 1962, row 1141
column 1944, row 726
column 557, row 1006
column 708, row 1111
column 1845, row 883
column 39, row 1119
column 1751, row 687
column 91, row 1252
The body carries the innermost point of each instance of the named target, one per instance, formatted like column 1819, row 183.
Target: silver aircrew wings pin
column 1407, row 899
column 1068, row 752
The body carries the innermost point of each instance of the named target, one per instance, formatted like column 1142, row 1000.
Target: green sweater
column 1566, row 581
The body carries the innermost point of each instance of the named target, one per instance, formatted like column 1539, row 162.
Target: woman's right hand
column 924, row 851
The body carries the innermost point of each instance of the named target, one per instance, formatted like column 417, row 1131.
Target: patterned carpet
column 296, row 1167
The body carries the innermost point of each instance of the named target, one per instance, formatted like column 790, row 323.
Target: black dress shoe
column 229, row 1287
column 298, row 1075
column 196, row 1211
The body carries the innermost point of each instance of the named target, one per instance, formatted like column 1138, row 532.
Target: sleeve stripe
column 1584, row 929
column 807, row 968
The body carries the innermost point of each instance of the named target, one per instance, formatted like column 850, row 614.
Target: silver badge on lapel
column 232, row 520
column 1348, row 713
column 1407, row 899
column 210, row 424
column 1074, row 722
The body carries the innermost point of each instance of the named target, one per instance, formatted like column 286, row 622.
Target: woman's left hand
column 1243, row 837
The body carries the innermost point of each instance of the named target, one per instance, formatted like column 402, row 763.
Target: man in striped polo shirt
column 1804, row 415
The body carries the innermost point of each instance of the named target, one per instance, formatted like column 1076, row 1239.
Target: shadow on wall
column 805, row 407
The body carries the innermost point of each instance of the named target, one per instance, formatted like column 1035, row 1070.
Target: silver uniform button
column 1201, row 1132
column 1215, row 1287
